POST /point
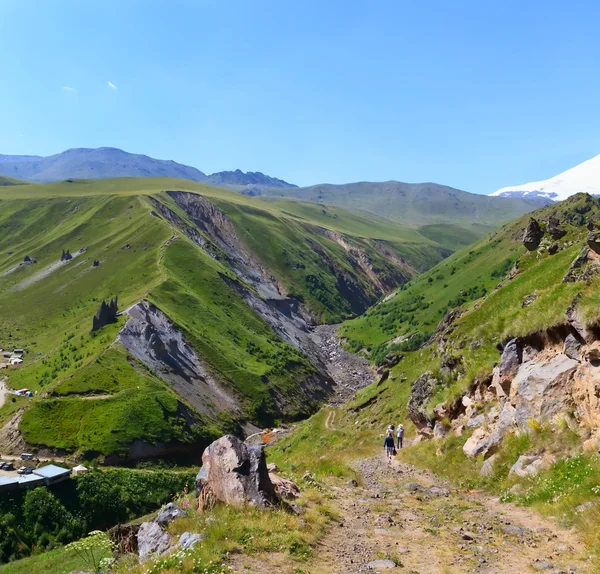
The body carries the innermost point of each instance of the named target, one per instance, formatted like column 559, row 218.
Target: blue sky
column 474, row 94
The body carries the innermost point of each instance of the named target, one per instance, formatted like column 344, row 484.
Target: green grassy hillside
column 491, row 306
column 417, row 204
column 91, row 395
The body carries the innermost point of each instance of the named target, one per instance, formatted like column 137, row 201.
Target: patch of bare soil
column 401, row 519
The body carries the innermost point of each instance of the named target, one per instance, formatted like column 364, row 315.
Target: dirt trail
column 420, row 525
column 330, row 420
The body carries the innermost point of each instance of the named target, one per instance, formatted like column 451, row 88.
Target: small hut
column 80, row 469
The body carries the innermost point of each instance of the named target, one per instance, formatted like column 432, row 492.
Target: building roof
column 30, row 479
column 51, row 471
column 6, row 480
column 80, row 468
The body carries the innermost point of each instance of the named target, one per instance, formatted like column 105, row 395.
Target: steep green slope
column 468, row 416
column 231, row 283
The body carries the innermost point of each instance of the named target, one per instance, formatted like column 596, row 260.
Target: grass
column 91, row 397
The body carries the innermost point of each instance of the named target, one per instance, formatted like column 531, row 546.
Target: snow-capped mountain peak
column 584, row 177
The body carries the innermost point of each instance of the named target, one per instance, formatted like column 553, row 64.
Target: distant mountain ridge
column 415, row 204
column 583, row 178
column 108, row 162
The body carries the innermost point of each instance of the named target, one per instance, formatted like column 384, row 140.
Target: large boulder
column 511, row 359
column 571, row 347
column 541, row 390
column 574, row 272
column 533, row 235
column 477, row 443
column 284, row 487
column 593, row 241
column 234, row 473
column 152, row 540
column 555, row 229
column 530, row 465
column 423, row 389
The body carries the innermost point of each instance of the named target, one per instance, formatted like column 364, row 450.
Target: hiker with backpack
column 400, row 436
column 388, row 444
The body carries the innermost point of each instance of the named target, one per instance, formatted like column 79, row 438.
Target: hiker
column 388, row 444
column 391, row 428
column 400, row 435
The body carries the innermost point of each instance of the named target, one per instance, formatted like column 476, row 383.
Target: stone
column 529, row 353
column 533, row 235
column 496, row 383
column 437, row 491
column 539, row 390
column 574, row 271
column 571, row 347
column 234, row 473
column 124, row 537
column 487, row 468
column 585, row 506
column 107, row 313
column 152, row 540
column 272, row 467
column 476, row 421
column 541, row 565
column 381, row 565
column 422, row 389
column 593, row 241
column 188, row 540
column 514, row 530
column 528, row 300
column 353, row 483
column 168, row 513
column 412, row 486
column 284, row 487
column 555, row 229
column 553, row 249
column 525, row 466
column 511, row 359
column 439, row 430
column 477, row 443
column 577, row 322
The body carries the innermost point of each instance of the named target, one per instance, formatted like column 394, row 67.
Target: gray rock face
column 555, row 229
column 593, row 241
column 188, row 540
column 234, row 473
column 152, row 540
column 529, row 299
column 168, row 513
column 284, row 487
column 422, row 390
column 487, row 468
column 571, row 347
column 525, row 466
column 539, row 390
column 533, row 235
column 574, row 272
column 511, row 359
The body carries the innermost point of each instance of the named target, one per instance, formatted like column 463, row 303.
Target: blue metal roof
column 51, row 471
column 31, row 479
column 6, row 480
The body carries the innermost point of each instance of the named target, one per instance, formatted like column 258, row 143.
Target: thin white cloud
column 111, row 85
column 69, row 89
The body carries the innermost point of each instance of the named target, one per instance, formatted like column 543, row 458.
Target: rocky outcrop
column 235, row 474
column 284, row 487
column 538, row 389
column 150, row 337
column 555, row 229
column 593, row 241
column 422, row 390
column 571, row 347
column 168, row 513
column 511, row 359
column 152, row 541
column 189, row 539
column 530, row 465
column 106, row 314
column 533, row 235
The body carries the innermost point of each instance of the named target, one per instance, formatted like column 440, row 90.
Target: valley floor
column 404, row 519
